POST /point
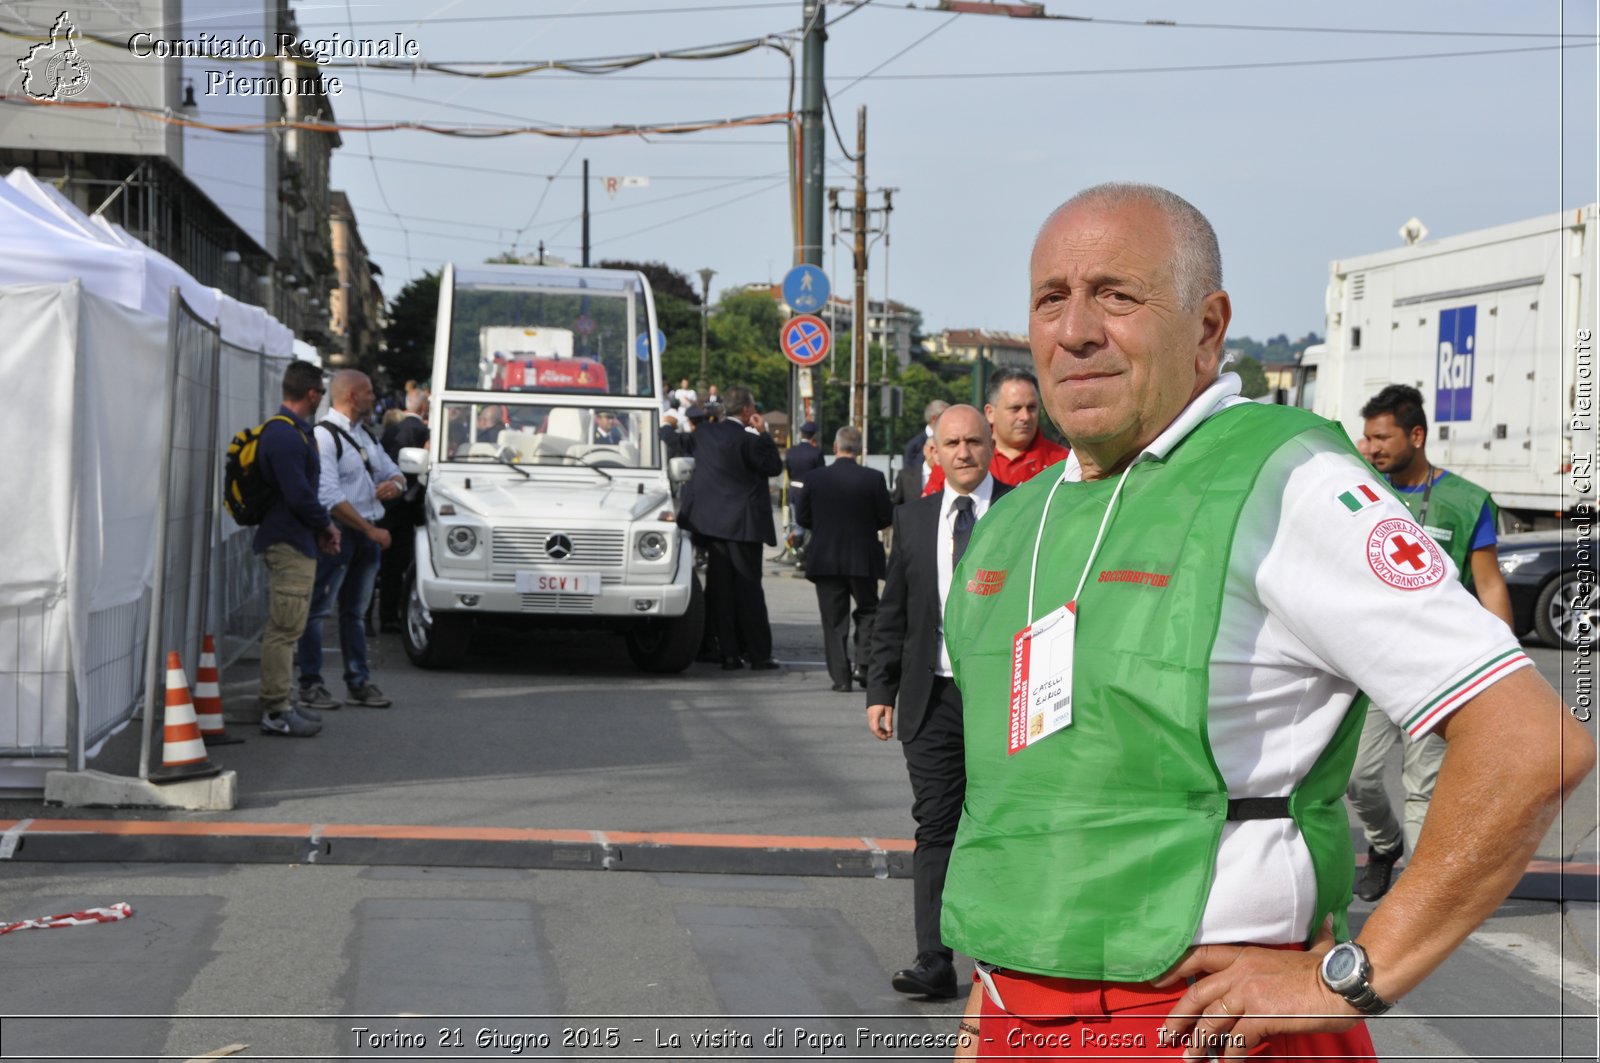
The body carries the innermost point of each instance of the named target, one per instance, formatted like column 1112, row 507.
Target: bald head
column 965, row 447
column 1196, row 258
column 350, row 392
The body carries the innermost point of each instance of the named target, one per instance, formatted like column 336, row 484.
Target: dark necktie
column 962, row 530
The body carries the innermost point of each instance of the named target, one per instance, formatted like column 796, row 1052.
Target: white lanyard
column 1105, row 522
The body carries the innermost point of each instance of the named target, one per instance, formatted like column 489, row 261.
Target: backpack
column 245, row 490
column 339, row 435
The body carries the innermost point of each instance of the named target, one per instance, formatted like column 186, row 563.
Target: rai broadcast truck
column 1496, row 329
column 549, row 499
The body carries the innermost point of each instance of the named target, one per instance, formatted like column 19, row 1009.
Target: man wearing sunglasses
column 295, row 529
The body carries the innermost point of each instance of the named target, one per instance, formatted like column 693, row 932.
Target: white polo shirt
column 1331, row 589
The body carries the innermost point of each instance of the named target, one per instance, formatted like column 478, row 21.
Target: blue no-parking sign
column 806, row 339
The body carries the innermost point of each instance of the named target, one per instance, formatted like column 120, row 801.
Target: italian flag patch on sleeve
column 1358, row 498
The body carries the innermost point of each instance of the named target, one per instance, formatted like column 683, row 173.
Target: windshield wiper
column 510, row 463
column 584, row 462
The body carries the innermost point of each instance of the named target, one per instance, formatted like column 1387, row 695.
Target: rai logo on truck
column 1458, row 336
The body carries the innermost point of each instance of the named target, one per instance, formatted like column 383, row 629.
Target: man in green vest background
column 1161, row 651
column 1459, row 516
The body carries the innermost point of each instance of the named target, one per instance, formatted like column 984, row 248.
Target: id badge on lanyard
column 1041, row 678
column 1041, row 653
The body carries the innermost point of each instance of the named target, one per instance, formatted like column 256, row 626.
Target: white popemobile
column 549, row 499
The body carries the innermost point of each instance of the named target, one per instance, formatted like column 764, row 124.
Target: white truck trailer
column 1492, row 327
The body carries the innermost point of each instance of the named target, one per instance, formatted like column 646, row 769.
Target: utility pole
column 812, row 137
column 858, row 333
column 586, row 213
column 814, row 17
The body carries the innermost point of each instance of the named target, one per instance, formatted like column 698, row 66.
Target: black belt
column 1258, row 808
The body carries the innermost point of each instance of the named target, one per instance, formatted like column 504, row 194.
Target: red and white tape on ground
column 113, row 914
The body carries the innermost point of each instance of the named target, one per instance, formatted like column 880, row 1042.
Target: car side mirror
column 413, row 461
column 680, row 469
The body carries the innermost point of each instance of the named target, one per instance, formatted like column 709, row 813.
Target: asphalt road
column 559, row 732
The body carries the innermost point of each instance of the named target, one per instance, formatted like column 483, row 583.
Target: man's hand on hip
column 880, row 721
column 1244, row 995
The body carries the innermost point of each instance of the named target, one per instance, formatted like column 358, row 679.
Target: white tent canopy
column 48, row 239
column 91, row 361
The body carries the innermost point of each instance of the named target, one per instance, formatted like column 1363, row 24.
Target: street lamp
column 705, row 300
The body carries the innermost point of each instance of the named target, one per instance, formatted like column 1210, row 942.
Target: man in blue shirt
column 291, row 535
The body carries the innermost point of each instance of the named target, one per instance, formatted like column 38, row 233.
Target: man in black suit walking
column 845, row 505
column 800, row 459
column 910, row 668
column 727, row 503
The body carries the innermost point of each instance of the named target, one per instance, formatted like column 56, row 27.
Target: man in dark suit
column 845, row 505
column 727, row 503
column 909, row 484
column 799, row 460
column 910, row 668
column 401, row 515
column 914, row 460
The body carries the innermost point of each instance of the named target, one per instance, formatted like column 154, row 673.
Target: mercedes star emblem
column 558, row 546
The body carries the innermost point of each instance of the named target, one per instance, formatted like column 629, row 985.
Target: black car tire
column 1555, row 615
column 668, row 645
column 432, row 640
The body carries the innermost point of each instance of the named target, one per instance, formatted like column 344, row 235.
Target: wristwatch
column 1346, row 971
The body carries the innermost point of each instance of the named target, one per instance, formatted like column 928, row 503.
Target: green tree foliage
column 1279, row 348
column 922, row 383
column 664, row 280
column 1252, row 378
column 410, row 332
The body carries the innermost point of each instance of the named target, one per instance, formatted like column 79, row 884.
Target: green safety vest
column 1091, row 854
column 1453, row 508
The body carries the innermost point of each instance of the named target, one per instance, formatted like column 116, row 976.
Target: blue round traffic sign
column 641, row 345
column 806, row 339
column 805, row 289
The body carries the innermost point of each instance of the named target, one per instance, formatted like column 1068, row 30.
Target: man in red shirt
column 1021, row 451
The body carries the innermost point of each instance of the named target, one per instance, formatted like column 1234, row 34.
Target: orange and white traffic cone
column 183, row 751
column 208, row 698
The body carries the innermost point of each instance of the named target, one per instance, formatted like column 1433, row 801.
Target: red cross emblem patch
column 1403, row 556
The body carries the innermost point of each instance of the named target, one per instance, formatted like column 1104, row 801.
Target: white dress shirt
column 344, row 477
column 946, row 547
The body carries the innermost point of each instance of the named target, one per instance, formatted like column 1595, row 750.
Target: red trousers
column 1123, row 1021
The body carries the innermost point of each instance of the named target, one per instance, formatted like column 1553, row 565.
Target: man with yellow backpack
column 272, row 483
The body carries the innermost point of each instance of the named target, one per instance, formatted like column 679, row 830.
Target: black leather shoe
column 731, row 664
column 769, row 665
column 860, row 676
column 1374, row 880
column 933, row 975
column 841, row 688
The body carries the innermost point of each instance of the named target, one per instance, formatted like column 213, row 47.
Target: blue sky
column 1305, row 159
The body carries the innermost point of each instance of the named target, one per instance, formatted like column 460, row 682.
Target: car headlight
column 461, row 540
column 1509, row 563
column 652, row 545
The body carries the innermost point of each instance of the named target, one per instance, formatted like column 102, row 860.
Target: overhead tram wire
column 1113, row 71
column 377, row 178
column 545, row 192
column 696, row 213
column 1172, row 24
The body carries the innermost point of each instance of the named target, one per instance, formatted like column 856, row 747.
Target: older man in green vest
column 1162, row 647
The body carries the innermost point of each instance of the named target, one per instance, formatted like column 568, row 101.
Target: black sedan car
column 1552, row 595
